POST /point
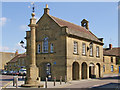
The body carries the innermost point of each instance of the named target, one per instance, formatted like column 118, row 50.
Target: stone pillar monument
column 32, row 79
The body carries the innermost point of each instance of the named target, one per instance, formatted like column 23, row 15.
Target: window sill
column 46, row 53
column 84, row 55
column 91, row 55
column 98, row 56
column 75, row 53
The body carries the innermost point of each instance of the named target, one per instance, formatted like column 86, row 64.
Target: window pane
column 51, row 48
column 75, row 47
column 45, row 45
column 91, row 50
column 83, row 49
column 97, row 50
column 38, row 48
column 111, row 68
column 103, row 68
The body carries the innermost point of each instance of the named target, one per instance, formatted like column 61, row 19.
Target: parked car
column 22, row 72
column 4, row 72
column 15, row 73
column 10, row 72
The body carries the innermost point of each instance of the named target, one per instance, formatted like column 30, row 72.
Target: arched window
column 45, row 45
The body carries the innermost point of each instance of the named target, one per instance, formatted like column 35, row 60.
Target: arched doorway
column 91, row 70
column 84, row 70
column 45, row 71
column 97, row 70
column 75, row 71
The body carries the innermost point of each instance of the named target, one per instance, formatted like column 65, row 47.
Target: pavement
column 91, row 83
column 50, row 84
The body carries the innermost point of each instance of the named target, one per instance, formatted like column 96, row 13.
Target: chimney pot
column 110, row 46
column 16, row 53
column 46, row 9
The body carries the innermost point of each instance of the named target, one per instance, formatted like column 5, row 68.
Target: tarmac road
column 107, row 82
column 6, row 80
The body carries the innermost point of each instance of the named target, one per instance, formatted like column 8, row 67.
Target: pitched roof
column 113, row 51
column 16, row 57
column 76, row 29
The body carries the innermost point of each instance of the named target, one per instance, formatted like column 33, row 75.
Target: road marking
column 7, row 84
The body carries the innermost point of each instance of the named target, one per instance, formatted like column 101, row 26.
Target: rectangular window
column 51, row 48
column 45, row 45
column 83, row 49
column 38, row 48
column 103, row 68
column 111, row 59
column 23, row 62
column 97, row 51
column 19, row 62
column 91, row 50
column 111, row 68
column 75, row 47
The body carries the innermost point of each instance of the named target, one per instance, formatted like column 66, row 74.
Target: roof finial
column 33, row 9
column 46, row 5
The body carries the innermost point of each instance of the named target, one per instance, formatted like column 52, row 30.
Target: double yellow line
column 7, row 84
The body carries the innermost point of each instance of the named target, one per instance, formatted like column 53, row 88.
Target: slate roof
column 113, row 51
column 16, row 57
column 76, row 29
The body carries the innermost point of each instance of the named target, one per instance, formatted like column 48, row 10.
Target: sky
column 102, row 17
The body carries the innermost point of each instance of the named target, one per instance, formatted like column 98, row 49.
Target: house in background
column 16, row 63
column 6, row 57
column 111, row 60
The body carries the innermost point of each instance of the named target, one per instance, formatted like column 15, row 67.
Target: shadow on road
column 114, row 77
column 109, row 85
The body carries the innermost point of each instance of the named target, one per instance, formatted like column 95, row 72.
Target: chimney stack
column 110, row 46
column 46, row 10
column 16, row 52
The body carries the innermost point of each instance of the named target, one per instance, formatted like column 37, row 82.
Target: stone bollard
column 46, row 82
column 60, row 80
column 65, row 79
column 54, row 80
column 15, row 81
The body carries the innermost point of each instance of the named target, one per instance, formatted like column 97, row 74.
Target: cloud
column 24, row 27
column 2, row 49
column 17, row 46
column 3, row 21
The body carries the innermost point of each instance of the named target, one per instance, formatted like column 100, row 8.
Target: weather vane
column 33, row 7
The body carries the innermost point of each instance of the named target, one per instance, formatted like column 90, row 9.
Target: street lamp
column 22, row 44
column 91, row 43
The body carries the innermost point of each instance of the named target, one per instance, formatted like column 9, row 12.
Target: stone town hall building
column 65, row 49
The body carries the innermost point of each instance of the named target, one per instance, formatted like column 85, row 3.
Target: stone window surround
column 41, row 48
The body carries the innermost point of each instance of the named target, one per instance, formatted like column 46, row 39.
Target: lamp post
column 91, row 43
column 22, row 44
